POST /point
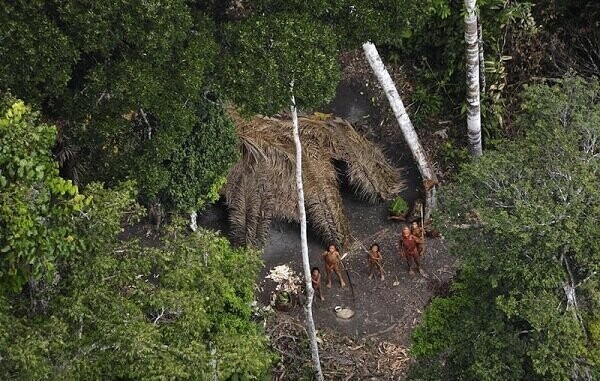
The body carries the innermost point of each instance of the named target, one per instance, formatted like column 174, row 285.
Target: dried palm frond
column 323, row 201
column 368, row 171
column 261, row 186
column 249, row 196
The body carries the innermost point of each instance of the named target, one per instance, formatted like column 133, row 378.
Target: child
column 332, row 264
column 374, row 261
column 316, row 282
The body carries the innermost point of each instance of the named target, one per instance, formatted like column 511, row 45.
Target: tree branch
column 569, row 288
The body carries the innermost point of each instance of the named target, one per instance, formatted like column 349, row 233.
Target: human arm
column 338, row 256
column 370, row 256
column 418, row 239
column 400, row 248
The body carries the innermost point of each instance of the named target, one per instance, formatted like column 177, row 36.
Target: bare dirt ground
column 385, row 311
column 378, row 304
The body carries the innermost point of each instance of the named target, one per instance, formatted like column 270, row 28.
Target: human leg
column 339, row 274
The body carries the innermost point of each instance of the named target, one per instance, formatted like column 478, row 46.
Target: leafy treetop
column 118, row 310
column 36, row 204
column 268, row 53
column 527, row 302
column 123, row 80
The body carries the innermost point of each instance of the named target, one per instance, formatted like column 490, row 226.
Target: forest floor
column 374, row 343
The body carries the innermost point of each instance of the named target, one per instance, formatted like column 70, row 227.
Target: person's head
column 315, row 271
column 415, row 225
column 374, row 248
column 331, row 248
column 405, row 231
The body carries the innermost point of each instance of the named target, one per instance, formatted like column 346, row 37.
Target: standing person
column 408, row 249
column 316, row 282
column 418, row 232
column 374, row 260
column 332, row 264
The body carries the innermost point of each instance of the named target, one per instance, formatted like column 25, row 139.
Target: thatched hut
column 261, row 186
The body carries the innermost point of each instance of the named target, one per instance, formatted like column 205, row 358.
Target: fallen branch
column 388, row 329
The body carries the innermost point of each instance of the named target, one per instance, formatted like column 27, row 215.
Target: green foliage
column 103, row 221
column 100, row 307
column 383, row 22
column 36, row 56
column 137, row 110
column 533, row 206
column 450, row 155
column 264, row 55
column 398, row 207
column 125, row 311
column 428, row 104
column 128, row 99
column 199, row 165
column 36, row 204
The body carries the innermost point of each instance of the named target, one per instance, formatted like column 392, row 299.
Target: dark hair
column 315, row 268
column 332, row 244
column 375, row 244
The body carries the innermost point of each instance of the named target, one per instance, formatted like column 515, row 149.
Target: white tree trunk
column 473, row 111
column 410, row 135
column 481, row 60
column 310, row 323
column 213, row 361
column 194, row 221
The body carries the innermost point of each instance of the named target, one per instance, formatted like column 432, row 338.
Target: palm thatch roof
column 261, row 187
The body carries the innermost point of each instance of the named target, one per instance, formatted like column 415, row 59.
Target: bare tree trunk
column 481, row 60
column 310, row 323
column 473, row 110
column 194, row 221
column 410, row 135
column 213, row 362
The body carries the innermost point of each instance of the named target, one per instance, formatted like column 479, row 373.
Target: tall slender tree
column 410, row 135
column 473, row 105
column 310, row 323
column 263, row 58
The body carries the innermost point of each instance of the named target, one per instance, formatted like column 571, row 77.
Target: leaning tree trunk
column 410, row 135
column 473, row 109
column 310, row 323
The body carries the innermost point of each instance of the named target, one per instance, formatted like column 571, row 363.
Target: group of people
column 411, row 246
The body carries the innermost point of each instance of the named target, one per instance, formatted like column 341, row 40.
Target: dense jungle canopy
column 116, row 112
